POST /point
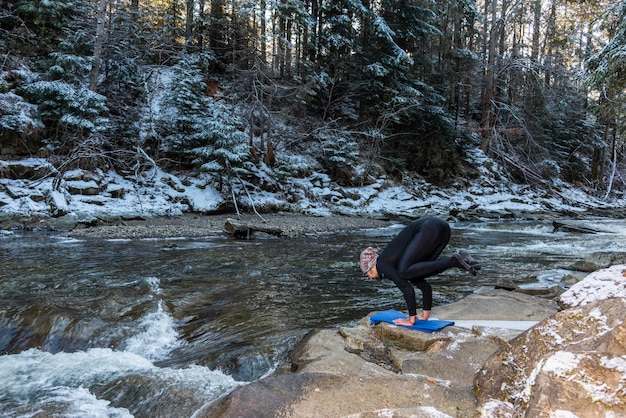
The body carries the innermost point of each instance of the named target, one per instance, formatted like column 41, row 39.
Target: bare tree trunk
column 550, row 35
column 98, row 46
column 457, row 75
column 488, row 88
column 609, row 185
column 218, row 29
column 314, row 30
column 280, row 45
column 263, row 43
column 201, row 30
column 534, row 51
column 501, row 78
column 189, row 22
column 288, row 48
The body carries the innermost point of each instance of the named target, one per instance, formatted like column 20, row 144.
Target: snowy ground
column 157, row 193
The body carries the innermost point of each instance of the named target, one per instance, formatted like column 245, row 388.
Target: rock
column 404, row 338
column 329, row 395
column 497, row 304
column 572, row 363
column 576, row 228
column 80, row 187
column 116, row 191
column 12, row 192
column 493, row 408
column 58, row 203
column 572, row 278
column 330, row 381
column 597, row 261
column 323, row 351
column 365, row 371
column 30, row 168
column 602, row 284
column 178, row 400
column 455, row 360
column 419, row 412
column 506, row 284
column 543, row 292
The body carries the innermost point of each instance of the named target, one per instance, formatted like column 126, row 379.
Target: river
column 148, row 328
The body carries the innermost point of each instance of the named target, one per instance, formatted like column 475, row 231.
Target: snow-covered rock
column 58, row 203
column 28, row 168
column 570, row 364
column 602, row 284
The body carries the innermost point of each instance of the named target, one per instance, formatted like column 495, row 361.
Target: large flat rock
column 326, row 395
column 501, row 305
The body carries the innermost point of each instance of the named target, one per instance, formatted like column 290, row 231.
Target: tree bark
column 189, row 4
column 534, row 51
column 487, row 96
column 98, row 46
column 242, row 230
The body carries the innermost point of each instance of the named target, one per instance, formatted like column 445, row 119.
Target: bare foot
column 402, row 321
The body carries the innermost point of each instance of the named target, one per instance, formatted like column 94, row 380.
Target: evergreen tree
column 332, row 88
column 606, row 74
column 204, row 131
column 69, row 110
column 121, row 80
column 47, row 20
column 609, row 65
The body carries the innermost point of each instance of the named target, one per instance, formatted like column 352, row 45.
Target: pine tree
column 608, row 66
column 606, row 71
column 197, row 127
column 122, row 77
column 69, row 110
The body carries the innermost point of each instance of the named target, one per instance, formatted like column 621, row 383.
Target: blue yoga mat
column 430, row 325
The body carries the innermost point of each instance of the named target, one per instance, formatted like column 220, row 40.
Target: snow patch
column 562, row 363
column 602, row 284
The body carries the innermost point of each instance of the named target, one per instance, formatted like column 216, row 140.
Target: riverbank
column 198, row 225
column 92, row 203
column 189, row 225
column 193, row 225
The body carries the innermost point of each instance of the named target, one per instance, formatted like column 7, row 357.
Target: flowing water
column 160, row 327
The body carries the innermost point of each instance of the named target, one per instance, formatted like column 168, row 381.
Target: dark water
column 102, row 329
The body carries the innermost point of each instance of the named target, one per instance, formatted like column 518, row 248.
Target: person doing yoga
column 411, row 257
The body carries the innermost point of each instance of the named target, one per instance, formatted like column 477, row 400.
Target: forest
column 363, row 87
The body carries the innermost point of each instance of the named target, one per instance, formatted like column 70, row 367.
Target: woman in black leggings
column 411, row 257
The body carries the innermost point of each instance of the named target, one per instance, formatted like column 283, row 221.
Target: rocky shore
column 571, row 363
column 193, row 225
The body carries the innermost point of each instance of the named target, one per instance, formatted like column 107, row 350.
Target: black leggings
column 419, row 259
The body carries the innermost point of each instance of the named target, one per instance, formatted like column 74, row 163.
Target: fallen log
column 581, row 229
column 240, row 229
